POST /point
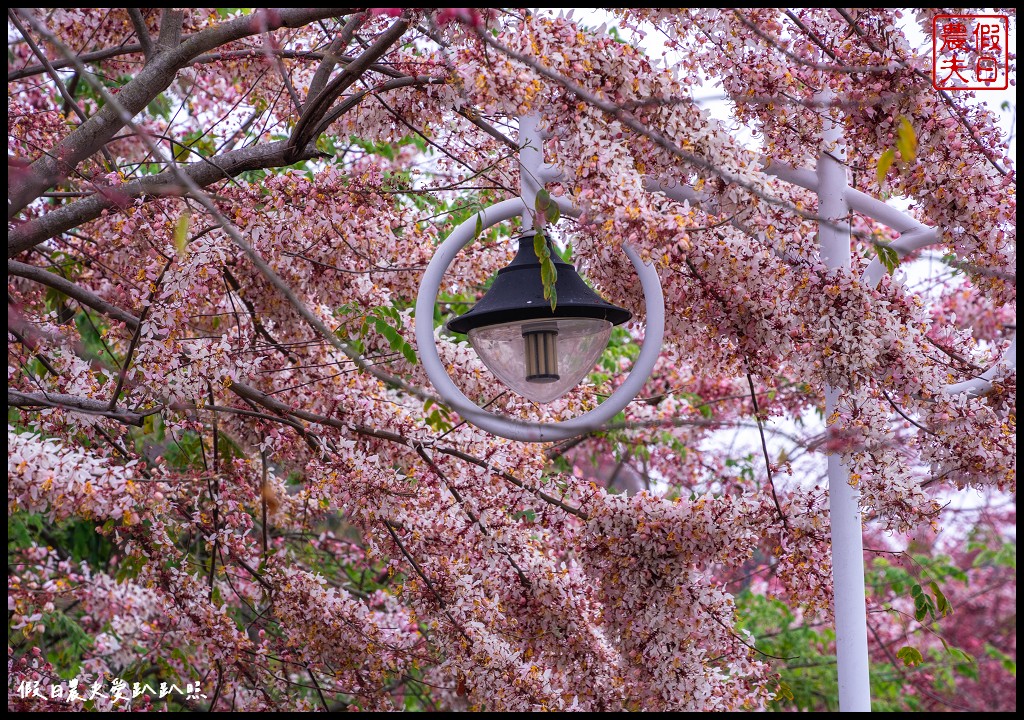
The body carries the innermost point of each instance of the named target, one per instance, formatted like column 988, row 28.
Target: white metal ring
column 505, row 426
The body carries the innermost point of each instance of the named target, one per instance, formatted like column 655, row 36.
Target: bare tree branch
column 16, row 398
column 41, row 276
column 202, row 173
column 316, row 108
column 142, row 32
column 331, row 57
column 104, row 54
column 170, row 30
column 88, row 138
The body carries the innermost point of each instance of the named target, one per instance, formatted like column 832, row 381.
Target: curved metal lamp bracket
column 508, row 427
column 913, row 236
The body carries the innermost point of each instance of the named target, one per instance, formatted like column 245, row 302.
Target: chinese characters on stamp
column 969, row 52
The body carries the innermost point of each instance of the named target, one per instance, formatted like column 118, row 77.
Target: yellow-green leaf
column 884, row 163
column 906, row 140
column 540, row 245
column 910, row 656
column 941, row 603
column 181, row 233
column 784, row 692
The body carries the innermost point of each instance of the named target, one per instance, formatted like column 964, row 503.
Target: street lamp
column 836, row 200
column 539, row 352
column 517, row 338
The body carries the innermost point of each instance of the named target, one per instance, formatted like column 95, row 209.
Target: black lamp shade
column 518, row 294
column 539, row 353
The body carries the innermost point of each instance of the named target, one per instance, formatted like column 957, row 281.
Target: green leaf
column 553, row 297
column 542, row 201
column 547, row 207
column 1008, row 662
column 884, row 163
column 389, row 333
column 395, row 340
column 890, row 258
column 960, row 655
column 548, row 272
column 553, row 213
column 161, row 106
column 549, row 275
column 922, row 605
column 910, row 656
column 940, row 600
column 392, row 313
column 440, row 418
column 540, row 245
column 407, row 352
column 906, row 140
column 197, row 142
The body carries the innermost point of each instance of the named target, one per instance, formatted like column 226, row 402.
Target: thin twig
column 316, row 684
column 263, row 498
column 412, row 561
column 135, row 338
column 764, row 448
column 910, row 420
column 472, row 516
column 515, row 481
column 214, row 488
column 41, row 276
column 33, row 347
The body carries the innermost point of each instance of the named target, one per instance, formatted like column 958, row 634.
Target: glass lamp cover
column 542, row 360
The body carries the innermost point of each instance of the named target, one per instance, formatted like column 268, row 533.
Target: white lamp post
column 836, row 199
